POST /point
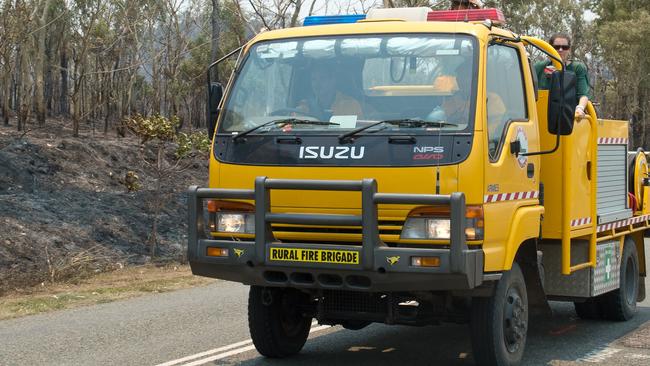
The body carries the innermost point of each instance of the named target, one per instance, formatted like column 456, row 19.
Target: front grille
column 389, row 231
column 385, row 227
column 341, row 302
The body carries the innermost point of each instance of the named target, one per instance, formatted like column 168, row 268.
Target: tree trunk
column 76, row 98
column 63, row 97
column 39, row 65
column 6, row 95
column 296, row 12
column 22, row 88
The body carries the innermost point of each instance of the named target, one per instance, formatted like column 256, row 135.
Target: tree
column 42, row 9
column 624, row 78
column 158, row 135
column 7, row 42
column 86, row 15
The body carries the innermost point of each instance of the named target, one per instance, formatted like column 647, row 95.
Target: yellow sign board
column 314, row 255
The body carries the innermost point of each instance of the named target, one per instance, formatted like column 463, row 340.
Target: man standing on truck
column 562, row 44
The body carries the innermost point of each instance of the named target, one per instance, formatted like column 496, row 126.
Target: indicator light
column 425, row 261
column 217, row 252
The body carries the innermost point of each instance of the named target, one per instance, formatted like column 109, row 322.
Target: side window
column 506, row 98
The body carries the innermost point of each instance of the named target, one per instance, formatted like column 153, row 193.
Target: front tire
column 277, row 326
column 500, row 323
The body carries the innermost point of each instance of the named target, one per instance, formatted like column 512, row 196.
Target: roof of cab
column 382, row 27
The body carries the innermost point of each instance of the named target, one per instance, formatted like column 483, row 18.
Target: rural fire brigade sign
column 314, row 255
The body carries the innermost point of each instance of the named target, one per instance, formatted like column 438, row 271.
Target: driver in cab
column 326, row 99
column 455, row 107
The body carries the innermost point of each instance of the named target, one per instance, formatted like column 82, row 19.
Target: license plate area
column 306, row 256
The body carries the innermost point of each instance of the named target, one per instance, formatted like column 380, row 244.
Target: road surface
column 208, row 325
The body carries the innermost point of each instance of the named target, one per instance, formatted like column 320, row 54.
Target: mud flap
column 530, row 261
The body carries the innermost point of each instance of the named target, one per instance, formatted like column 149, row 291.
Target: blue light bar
column 332, row 19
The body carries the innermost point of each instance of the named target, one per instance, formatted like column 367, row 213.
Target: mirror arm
column 557, row 146
column 214, row 64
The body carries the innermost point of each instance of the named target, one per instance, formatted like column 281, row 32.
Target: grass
column 104, row 288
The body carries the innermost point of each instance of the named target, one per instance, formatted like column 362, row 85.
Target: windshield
column 351, row 82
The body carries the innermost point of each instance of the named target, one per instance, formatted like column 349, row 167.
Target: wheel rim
column 291, row 319
column 514, row 320
column 630, row 282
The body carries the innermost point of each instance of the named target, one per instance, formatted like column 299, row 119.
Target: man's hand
column 580, row 112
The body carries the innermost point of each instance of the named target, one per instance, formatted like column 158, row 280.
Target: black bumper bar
column 380, row 268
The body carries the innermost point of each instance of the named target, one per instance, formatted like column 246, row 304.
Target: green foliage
column 155, row 127
column 197, row 141
column 131, row 181
column 163, row 130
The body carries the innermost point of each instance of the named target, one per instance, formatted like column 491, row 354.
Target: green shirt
column 582, row 82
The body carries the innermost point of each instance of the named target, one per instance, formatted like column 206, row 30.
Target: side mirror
column 215, row 93
column 562, row 102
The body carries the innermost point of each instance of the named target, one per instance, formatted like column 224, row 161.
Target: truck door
column 512, row 180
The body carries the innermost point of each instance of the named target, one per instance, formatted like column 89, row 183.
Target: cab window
column 505, row 94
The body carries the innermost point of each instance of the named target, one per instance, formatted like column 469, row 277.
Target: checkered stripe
column 612, row 141
column 580, row 222
column 511, row 196
column 621, row 223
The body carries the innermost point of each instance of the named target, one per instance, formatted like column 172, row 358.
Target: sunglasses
column 561, row 47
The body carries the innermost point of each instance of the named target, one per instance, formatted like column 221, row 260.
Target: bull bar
column 460, row 267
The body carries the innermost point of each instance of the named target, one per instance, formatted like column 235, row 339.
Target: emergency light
column 470, row 15
column 332, row 19
column 412, row 14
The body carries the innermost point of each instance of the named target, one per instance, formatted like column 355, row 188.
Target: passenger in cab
column 455, row 107
column 562, row 43
column 327, row 99
column 466, row 4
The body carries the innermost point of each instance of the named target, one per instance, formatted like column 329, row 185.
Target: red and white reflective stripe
column 612, row 141
column 621, row 223
column 580, row 222
column 511, row 196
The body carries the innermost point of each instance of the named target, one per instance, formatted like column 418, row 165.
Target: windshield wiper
column 404, row 122
column 283, row 122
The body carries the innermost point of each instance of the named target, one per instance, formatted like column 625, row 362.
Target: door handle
column 530, row 170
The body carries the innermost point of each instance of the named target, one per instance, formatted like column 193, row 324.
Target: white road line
column 241, row 350
column 222, row 349
column 207, row 353
column 600, row 355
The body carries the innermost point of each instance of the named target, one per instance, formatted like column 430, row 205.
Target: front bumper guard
column 380, row 268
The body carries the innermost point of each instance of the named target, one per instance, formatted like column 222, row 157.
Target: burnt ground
column 66, row 212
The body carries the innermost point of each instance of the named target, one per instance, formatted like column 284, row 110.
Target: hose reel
column 639, row 178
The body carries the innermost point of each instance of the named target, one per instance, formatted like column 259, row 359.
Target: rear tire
column 277, row 326
column 354, row 324
column 500, row 323
column 588, row 310
column 620, row 305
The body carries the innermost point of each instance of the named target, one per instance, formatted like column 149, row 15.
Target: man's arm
column 582, row 88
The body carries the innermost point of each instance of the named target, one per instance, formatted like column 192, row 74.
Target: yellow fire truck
column 402, row 167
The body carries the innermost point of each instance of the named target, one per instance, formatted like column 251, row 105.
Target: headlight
column 426, row 223
column 231, row 217
column 426, row 228
column 228, row 222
